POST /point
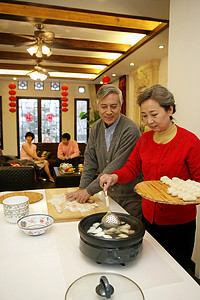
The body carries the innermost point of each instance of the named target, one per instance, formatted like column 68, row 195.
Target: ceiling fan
column 38, row 73
column 39, row 42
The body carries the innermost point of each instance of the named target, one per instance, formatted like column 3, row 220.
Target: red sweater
column 178, row 158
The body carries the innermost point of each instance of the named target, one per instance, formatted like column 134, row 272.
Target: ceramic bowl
column 15, row 207
column 35, row 224
column 15, row 203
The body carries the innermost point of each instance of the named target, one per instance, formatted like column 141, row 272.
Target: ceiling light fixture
column 131, row 64
column 38, row 73
column 161, row 47
column 114, row 75
column 39, row 49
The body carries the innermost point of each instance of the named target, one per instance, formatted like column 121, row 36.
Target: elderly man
column 111, row 140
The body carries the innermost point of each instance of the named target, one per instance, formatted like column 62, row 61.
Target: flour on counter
column 73, row 206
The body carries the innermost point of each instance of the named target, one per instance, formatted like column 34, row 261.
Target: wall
column 10, row 121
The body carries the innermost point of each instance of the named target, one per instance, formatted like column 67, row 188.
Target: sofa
column 50, row 151
column 17, row 178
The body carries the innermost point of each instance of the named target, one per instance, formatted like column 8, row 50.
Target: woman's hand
column 107, row 180
column 80, row 196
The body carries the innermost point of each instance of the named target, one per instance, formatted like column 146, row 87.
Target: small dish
column 35, row 224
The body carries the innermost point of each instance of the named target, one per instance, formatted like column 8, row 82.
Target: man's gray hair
column 109, row 89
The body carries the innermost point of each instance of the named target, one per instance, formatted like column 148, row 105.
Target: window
column 81, row 126
column 39, row 85
column 55, row 86
column 40, row 116
column 81, row 89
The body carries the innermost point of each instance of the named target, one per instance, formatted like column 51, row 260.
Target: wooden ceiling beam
column 26, row 67
column 56, row 58
column 69, row 17
column 70, row 44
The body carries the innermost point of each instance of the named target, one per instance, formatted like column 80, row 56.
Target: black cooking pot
column 111, row 251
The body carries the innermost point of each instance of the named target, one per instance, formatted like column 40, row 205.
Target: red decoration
column 64, row 109
column 64, row 99
column 12, row 98
column 12, row 104
column 49, row 117
column 12, row 86
column 12, row 92
column 12, row 110
column 29, row 117
column 64, row 104
column 64, row 93
column 106, row 79
column 64, row 87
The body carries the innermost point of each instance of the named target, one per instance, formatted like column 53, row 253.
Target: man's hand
column 80, row 196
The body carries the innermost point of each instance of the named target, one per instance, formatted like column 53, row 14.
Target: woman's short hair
column 160, row 94
column 109, row 89
column 30, row 134
column 66, row 136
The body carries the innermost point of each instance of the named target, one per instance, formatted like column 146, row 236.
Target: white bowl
column 15, row 208
column 36, row 224
column 15, row 203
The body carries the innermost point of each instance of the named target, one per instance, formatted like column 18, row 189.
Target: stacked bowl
column 15, row 208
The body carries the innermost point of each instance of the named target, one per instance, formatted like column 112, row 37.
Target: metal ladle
column 110, row 219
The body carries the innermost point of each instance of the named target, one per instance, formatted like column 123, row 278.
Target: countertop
column 43, row 267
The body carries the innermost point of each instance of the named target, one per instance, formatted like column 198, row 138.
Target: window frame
column 39, row 117
column 75, row 111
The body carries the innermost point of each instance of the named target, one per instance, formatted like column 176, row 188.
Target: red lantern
column 64, row 93
column 64, row 99
column 64, row 87
column 12, row 98
column 49, row 117
column 64, row 104
column 12, row 86
column 64, row 109
column 106, row 79
column 29, row 117
column 12, row 109
column 12, row 104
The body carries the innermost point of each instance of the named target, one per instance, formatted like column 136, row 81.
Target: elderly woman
column 28, row 152
column 165, row 150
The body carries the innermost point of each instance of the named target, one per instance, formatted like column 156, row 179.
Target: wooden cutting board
column 66, row 215
column 33, row 196
column 156, row 191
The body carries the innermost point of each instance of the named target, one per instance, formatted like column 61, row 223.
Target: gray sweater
column 98, row 160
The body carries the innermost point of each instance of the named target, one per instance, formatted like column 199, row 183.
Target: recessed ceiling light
column 131, row 64
column 14, row 78
column 114, row 75
column 161, row 47
column 101, row 82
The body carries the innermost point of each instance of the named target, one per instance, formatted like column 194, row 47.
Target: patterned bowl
column 35, row 224
column 15, row 207
column 15, row 203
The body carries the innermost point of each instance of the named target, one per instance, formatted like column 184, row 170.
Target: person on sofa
column 68, row 151
column 28, row 152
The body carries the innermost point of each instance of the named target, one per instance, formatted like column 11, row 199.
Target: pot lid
column 100, row 286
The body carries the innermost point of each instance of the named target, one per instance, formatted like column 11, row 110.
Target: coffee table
column 66, row 180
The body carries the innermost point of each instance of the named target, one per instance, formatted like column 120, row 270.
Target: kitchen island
column 43, row 267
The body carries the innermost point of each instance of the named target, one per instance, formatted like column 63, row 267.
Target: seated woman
column 68, row 151
column 28, row 151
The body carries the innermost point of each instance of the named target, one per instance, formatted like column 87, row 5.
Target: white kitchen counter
column 43, row 267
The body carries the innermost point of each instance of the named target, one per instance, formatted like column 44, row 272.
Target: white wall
column 183, row 76
column 10, row 119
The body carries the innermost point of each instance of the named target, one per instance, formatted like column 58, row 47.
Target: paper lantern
column 64, row 109
column 12, row 110
column 106, row 79
column 64, row 99
column 64, row 104
column 64, row 93
column 12, row 86
column 12, row 98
